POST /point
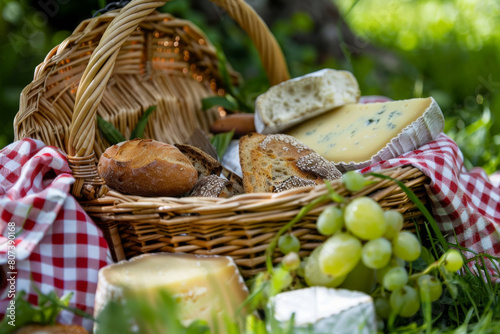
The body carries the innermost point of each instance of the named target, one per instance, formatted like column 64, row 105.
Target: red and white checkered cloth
column 465, row 204
column 58, row 247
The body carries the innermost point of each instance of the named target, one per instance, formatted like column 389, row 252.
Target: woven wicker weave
column 117, row 65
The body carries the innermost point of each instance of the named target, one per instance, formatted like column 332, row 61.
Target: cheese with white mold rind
column 357, row 135
column 296, row 100
column 325, row 310
column 203, row 285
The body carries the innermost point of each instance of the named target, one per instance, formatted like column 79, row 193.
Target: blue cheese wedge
column 205, row 287
column 325, row 310
column 296, row 100
column 357, row 135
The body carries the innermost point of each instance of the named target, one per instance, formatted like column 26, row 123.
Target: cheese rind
column 204, row 286
column 325, row 310
column 357, row 135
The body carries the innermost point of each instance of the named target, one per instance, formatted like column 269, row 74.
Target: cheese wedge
column 357, row 135
column 205, row 287
column 325, row 310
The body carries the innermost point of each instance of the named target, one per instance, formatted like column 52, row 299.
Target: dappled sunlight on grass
column 423, row 24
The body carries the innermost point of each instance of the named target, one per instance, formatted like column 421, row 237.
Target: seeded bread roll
column 273, row 163
column 296, row 100
column 212, row 186
column 146, row 167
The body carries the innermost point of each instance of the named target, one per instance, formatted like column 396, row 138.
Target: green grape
column 313, row 274
column 431, row 285
column 382, row 308
column 365, row 218
column 300, row 271
column 353, row 181
column 288, row 243
column 330, row 221
column 399, row 262
column 376, row 253
column 395, row 278
column 339, row 254
column 280, row 280
column 361, row 278
column 394, row 221
column 406, row 246
column 291, row 261
column 380, row 273
column 453, row 260
column 405, row 301
column 394, row 262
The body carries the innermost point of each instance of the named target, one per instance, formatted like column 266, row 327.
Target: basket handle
column 80, row 146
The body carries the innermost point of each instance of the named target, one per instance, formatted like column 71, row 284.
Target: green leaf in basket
column 225, row 102
column 138, row 131
column 110, row 133
column 224, row 73
column 221, row 142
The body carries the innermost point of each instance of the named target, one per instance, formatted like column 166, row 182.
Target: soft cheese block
column 356, row 135
column 206, row 287
column 325, row 310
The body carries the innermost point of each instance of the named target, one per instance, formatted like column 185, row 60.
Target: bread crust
column 146, row 167
column 268, row 161
column 299, row 99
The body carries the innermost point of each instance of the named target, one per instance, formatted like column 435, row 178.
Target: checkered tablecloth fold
column 466, row 204
column 57, row 246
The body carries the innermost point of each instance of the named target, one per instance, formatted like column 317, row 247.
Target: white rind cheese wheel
column 356, row 135
column 325, row 310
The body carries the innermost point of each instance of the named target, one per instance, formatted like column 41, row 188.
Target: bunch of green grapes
column 368, row 250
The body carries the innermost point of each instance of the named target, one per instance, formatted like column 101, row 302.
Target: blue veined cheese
column 356, row 135
column 325, row 310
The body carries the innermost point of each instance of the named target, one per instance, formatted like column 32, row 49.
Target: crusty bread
column 296, row 100
column 213, row 186
column 147, row 168
column 269, row 162
column 236, row 180
column 204, row 163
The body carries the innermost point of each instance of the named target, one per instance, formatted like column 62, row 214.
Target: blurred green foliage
column 451, row 51
column 447, row 49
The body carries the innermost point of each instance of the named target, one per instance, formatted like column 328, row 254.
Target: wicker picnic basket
column 117, row 65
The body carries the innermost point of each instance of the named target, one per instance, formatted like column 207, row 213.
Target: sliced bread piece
column 296, row 100
column 269, row 161
column 214, row 186
column 292, row 182
column 203, row 162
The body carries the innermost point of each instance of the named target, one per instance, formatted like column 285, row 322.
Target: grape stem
column 427, row 270
column 304, row 211
column 420, row 206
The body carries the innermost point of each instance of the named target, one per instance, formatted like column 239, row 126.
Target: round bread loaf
column 147, row 167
